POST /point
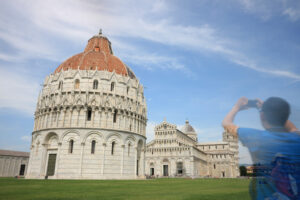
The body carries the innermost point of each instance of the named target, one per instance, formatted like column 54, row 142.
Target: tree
column 243, row 171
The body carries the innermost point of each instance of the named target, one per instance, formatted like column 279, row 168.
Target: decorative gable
column 165, row 126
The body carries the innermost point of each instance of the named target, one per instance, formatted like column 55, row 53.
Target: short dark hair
column 276, row 111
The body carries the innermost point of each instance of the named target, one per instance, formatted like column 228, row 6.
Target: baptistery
column 90, row 119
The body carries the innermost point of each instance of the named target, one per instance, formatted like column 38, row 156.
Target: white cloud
column 18, row 92
column 275, row 72
column 267, row 9
column 292, row 13
column 122, row 20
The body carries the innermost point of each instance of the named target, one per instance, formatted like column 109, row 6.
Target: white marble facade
column 89, row 123
column 177, row 153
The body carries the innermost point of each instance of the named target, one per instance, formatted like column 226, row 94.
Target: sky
column 194, row 58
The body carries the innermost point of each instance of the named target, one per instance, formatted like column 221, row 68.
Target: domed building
column 189, row 131
column 177, row 153
column 90, row 119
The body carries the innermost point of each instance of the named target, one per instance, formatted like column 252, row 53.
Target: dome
column 97, row 55
column 187, row 128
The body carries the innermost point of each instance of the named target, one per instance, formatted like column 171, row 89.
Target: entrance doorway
column 51, row 164
column 22, row 170
column 166, row 170
column 151, row 171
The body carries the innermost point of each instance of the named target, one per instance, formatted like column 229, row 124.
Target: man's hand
column 259, row 103
column 241, row 104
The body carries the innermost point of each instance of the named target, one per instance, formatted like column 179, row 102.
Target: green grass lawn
column 172, row 189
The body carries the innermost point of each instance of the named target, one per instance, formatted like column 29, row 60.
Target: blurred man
column 277, row 178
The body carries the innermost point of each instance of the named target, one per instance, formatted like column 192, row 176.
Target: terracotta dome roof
column 97, row 55
column 187, row 128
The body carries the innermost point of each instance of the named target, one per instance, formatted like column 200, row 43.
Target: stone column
column 43, row 161
column 106, row 118
column 110, row 119
column 46, row 119
column 81, row 159
column 93, row 116
column 125, row 121
column 130, row 123
column 85, row 118
column 120, row 120
column 138, row 126
column 57, row 160
column 135, row 161
column 122, row 159
column 42, row 120
column 100, row 116
column 103, row 159
column 49, row 122
column 64, row 117
column 57, row 117
column 142, row 162
column 71, row 117
column 54, row 118
column 50, row 119
column 135, row 124
column 78, row 114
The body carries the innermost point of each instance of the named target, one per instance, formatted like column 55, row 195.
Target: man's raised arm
column 227, row 123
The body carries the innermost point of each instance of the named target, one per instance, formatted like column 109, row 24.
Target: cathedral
column 177, row 153
column 90, row 119
column 90, row 123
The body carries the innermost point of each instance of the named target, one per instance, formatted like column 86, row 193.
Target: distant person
column 277, row 177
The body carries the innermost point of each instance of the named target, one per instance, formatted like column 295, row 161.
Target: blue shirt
column 276, row 157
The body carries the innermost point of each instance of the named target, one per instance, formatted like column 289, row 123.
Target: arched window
column 71, row 145
column 60, row 85
column 112, row 86
column 214, row 166
column 115, row 116
column 93, row 147
column 129, row 145
column 112, row 147
column 95, row 84
column 77, row 84
column 89, row 114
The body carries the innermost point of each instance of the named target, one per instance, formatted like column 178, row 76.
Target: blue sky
column 195, row 58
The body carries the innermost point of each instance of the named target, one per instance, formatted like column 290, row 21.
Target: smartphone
column 252, row 103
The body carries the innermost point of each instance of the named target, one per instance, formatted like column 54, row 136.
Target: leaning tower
column 234, row 149
column 90, row 119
